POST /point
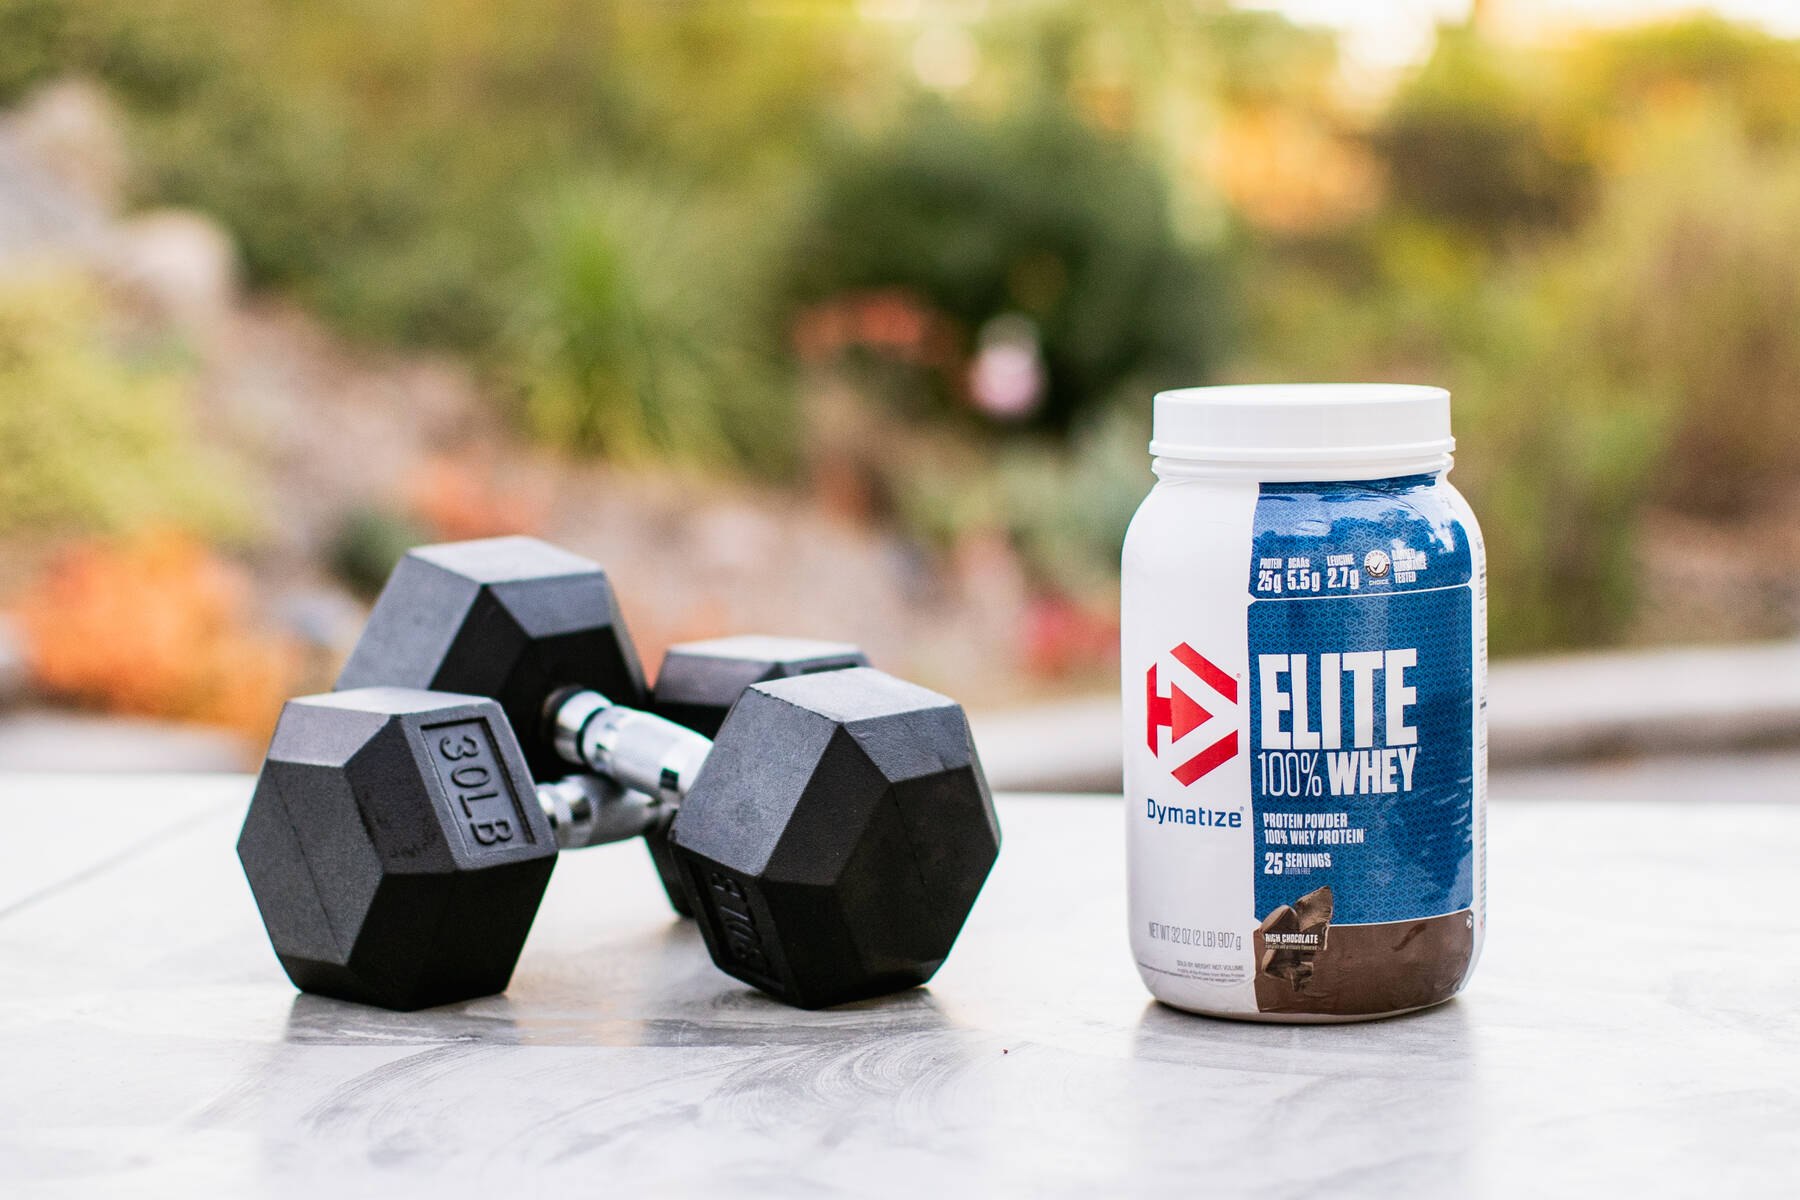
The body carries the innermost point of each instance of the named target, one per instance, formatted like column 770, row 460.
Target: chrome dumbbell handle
column 592, row 810
column 639, row 751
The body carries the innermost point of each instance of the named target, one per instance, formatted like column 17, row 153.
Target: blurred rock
column 329, row 429
column 182, row 264
column 71, row 127
column 45, row 209
column 736, row 540
column 63, row 170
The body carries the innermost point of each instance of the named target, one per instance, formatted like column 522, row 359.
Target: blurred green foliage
column 368, row 545
column 507, row 181
column 648, row 333
column 383, row 159
column 1593, row 247
column 1065, row 502
column 96, row 433
column 1687, row 295
column 625, row 213
column 1478, row 139
column 1038, row 214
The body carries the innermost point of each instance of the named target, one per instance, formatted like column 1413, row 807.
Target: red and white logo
column 1181, row 715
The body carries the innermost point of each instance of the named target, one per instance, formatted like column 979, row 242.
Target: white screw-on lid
column 1302, row 423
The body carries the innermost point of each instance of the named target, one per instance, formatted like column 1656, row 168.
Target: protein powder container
column 1304, row 650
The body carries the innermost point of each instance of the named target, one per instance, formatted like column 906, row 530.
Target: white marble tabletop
column 1633, row 1029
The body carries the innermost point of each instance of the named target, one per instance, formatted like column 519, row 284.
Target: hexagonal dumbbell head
column 395, row 847
column 700, row 681
column 837, row 836
column 511, row 618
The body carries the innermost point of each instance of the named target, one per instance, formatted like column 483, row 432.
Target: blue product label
column 1362, row 700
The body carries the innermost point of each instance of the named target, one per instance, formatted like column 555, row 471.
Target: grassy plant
column 642, row 338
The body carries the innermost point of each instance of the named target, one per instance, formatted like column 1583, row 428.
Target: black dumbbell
column 526, row 622
column 515, row 619
column 833, row 839
column 700, row 681
column 831, row 844
column 394, row 846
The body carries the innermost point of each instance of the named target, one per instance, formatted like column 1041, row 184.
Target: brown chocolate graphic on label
column 1314, row 909
column 1307, row 965
column 1290, row 937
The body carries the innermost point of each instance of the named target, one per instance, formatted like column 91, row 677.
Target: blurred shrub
column 1071, row 507
column 1686, row 294
column 30, row 37
column 294, row 126
column 1748, row 76
column 1555, row 458
column 596, row 199
column 95, row 432
column 155, row 625
column 313, row 206
column 1652, row 359
column 1652, row 356
column 1481, row 138
column 382, row 159
column 367, row 545
column 1064, row 505
column 643, row 334
column 1553, row 453
column 1641, row 348
column 1037, row 214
